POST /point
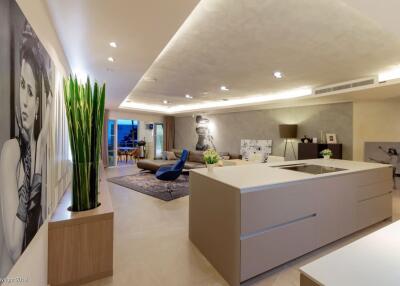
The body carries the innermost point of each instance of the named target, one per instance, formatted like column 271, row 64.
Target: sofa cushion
column 194, row 165
column 178, row 152
column 153, row 165
column 196, row 156
column 235, row 156
column 171, row 155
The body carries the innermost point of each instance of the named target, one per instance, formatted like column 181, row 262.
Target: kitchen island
column 251, row 218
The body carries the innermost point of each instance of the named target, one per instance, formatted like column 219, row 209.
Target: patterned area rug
column 147, row 183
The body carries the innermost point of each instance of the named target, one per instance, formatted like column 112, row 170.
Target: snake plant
column 85, row 115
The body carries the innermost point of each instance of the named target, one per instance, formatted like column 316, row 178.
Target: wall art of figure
column 23, row 154
column 205, row 140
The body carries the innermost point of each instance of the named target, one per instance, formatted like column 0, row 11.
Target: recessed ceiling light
column 224, row 88
column 113, row 44
column 165, row 101
column 278, row 74
column 111, row 59
column 188, row 96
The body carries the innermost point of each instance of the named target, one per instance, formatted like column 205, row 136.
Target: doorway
column 158, row 140
column 122, row 141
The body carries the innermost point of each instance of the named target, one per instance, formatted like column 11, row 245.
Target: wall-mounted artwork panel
column 251, row 149
column 27, row 94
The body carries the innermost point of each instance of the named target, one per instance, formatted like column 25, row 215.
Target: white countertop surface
column 251, row 177
column 370, row 261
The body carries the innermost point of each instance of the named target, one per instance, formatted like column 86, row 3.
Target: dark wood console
column 312, row 150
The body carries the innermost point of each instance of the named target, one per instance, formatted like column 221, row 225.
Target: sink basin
column 313, row 169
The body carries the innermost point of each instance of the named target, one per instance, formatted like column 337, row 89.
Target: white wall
column 377, row 121
column 32, row 264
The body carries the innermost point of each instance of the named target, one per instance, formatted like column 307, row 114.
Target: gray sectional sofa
column 195, row 160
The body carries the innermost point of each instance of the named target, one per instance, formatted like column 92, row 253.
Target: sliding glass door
column 112, row 139
column 158, row 140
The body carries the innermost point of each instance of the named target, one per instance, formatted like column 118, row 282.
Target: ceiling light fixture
column 389, row 75
column 111, row 59
column 113, row 44
column 224, row 88
column 165, row 101
column 278, row 74
column 188, row 96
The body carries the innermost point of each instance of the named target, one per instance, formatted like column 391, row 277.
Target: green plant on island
column 326, row 152
column 211, row 157
column 84, row 106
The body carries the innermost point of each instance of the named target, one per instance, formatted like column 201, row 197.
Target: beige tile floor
column 151, row 245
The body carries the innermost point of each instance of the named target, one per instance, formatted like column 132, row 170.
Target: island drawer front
column 374, row 210
column 366, row 192
column 373, row 176
column 272, row 248
column 263, row 209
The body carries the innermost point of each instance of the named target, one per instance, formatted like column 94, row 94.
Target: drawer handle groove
column 374, row 197
column 269, row 228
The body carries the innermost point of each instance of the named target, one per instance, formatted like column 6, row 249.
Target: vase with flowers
column 326, row 153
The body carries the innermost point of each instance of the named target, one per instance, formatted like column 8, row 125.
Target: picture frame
column 331, row 138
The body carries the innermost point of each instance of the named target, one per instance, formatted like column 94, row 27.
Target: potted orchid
column 326, row 153
column 211, row 158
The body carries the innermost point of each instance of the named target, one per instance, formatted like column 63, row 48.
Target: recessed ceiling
column 168, row 49
column 141, row 29
column 241, row 44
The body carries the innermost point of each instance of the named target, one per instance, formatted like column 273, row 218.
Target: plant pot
column 85, row 186
column 210, row 167
column 327, row 157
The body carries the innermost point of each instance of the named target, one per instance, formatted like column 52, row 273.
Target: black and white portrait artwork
column 205, row 140
column 26, row 87
column 384, row 153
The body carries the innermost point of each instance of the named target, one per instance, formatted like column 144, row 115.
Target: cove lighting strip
column 389, row 75
column 295, row 93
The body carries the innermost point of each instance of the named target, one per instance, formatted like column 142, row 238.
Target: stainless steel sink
column 312, row 169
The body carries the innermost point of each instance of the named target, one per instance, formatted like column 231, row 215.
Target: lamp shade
column 288, row 131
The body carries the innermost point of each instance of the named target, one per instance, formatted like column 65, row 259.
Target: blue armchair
column 171, row 173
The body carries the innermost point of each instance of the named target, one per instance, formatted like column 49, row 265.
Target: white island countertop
column 253, row 177
column 370, row 261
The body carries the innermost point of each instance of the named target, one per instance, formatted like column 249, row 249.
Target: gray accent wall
column 229, row 128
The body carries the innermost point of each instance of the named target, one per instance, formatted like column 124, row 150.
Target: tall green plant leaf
column 85, row 115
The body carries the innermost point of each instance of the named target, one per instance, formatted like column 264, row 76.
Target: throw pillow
column 171, row 155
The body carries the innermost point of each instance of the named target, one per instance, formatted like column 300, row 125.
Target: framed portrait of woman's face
column 27, row 87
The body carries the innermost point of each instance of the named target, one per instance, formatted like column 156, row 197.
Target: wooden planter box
column 81, row 243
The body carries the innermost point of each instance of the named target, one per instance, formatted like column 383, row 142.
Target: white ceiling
column 223, row 42
column 141, row 29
